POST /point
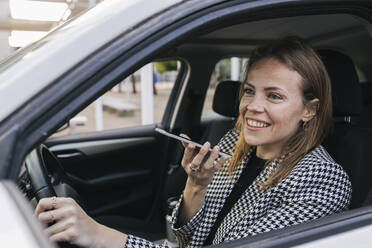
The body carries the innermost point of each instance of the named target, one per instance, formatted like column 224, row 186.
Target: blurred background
column 25, row 21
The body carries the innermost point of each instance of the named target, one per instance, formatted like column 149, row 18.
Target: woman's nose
column 256, row 105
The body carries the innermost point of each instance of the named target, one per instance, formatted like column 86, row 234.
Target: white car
column 123, row 177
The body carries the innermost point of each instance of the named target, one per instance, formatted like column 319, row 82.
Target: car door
column 107, row 168
column 119, row 170
column 348, row 229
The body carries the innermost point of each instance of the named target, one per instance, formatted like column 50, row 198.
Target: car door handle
column 69, row 155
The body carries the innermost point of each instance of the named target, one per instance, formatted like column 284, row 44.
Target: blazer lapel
column 245, row 205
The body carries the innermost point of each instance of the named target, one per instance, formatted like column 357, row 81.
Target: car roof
column 35, row 67
column 337, row 31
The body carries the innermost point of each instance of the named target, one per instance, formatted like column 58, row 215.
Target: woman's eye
column 248, row 91
column 275, row 96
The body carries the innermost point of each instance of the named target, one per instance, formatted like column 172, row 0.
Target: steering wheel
column 47, row 177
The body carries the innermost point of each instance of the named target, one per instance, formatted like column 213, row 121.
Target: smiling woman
column 279, row 174
column 286, row 104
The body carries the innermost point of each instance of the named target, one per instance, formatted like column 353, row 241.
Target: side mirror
column 73, row 123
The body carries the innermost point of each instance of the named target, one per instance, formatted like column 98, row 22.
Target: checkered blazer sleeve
column 136, row 242
column 314, row 192
column 184, row 233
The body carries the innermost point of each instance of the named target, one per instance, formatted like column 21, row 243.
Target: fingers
column 59, row 226
column 214, row 154
column 46, row 204
column 57, row 214
column 59, row 211
column 185, row 143
column 218, row 164
column 59, row 237
column 68, row 235
column 53, row 209
column 189, row 159
column 188, row 155
column 198, row 159
column 70, row 222
column 193, row 163
column 212, row 164
column 49, row 216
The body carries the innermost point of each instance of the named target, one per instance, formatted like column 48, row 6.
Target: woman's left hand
column 68, row 222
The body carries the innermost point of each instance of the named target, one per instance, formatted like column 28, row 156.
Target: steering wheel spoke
column 47, row 176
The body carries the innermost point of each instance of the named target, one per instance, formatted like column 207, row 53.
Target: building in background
column 24, row 21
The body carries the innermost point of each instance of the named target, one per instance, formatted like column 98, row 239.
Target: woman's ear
column 310, row 110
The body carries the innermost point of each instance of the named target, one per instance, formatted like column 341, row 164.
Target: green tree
column 163, row 66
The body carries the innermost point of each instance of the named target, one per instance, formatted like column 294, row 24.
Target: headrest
column 346, row 91
column 225, row 100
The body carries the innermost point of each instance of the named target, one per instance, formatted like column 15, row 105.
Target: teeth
column 257, row 123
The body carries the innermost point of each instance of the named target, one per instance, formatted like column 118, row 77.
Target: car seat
column 349, row 144
column 366, row 115
column 226, row 104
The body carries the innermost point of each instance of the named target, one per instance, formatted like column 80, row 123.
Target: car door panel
column 115, row 176
column 347, row 229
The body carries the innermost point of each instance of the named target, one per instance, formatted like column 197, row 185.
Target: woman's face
column 271, row 107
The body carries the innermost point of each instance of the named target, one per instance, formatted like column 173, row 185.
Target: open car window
column 129, row 103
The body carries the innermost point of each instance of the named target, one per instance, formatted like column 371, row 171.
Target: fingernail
column 216, row 148
column 207, row 145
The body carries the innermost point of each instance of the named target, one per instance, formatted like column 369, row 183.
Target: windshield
column 76, row 25
column 29, row 49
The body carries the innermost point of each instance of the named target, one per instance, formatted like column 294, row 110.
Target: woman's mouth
column 256, row 123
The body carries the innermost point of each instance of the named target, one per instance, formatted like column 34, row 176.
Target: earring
column 304, row 125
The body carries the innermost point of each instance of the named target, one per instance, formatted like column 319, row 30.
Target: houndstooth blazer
column 316, row 187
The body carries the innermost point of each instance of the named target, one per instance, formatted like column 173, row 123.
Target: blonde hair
column 297, row 55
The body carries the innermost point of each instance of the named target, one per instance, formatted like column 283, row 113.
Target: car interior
column 126, row 178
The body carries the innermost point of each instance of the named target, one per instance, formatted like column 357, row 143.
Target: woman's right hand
column 199, row 168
